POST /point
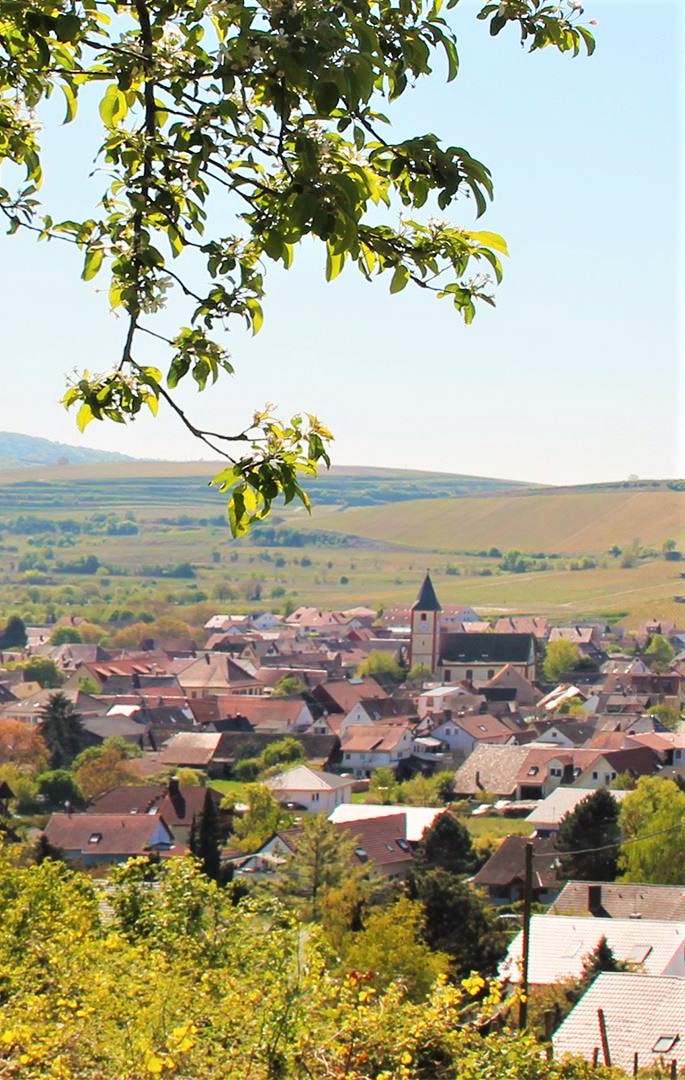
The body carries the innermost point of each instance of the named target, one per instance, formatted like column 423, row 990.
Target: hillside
column 24, row 451
column 572, row 522
column 185, row 485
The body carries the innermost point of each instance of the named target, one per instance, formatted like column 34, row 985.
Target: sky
column 574, row 377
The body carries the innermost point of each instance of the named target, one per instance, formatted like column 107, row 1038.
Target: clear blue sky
column 573, row 377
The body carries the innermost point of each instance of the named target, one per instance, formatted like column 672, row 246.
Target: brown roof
column 376, row 736
column 343, row 694
column 176, row 808
column 381, row 841
column 506, row 866
column 191, row 748
column 483, row 727
column 119, row 834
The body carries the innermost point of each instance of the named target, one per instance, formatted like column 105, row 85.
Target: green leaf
column 334, row 264
column 67, row 27
column 84, row 416
column 491, row 240
column 588, row 38
column 71, row 100
column 113, row 107
column 399, row 279
column 93, row 262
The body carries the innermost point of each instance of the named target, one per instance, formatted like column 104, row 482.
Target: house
column 461, row 734
column 621, row 900
column 512, row 772
column 549, row 812
column 100, row 839
column 268, row 714
column 508, row 684
column 366, row 747
column 536, row 625
column 417, row 818
column 177, row 806
column 503, row 875
column 560, row 943
column 455, row 698
column 380, row 846
column 644, row 1018
column 193, row 750
column 217, row 673
column 341, row 695
column 308, row 789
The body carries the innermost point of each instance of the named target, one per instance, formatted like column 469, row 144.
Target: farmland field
column 119, row 541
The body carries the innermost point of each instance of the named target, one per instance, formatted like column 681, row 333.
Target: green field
column 573, row 522
column 335, row 558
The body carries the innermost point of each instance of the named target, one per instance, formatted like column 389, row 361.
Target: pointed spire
column 427, row 600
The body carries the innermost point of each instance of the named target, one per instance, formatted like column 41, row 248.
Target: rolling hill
column 570, row 522
column 24, row 451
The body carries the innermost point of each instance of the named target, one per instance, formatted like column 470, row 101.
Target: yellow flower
column 154, row 1064
column 406, row 1058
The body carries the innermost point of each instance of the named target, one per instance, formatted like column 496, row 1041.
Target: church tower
column 424, row 641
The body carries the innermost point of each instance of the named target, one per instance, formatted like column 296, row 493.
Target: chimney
column 206, row 658
column 594, row 899
column 478, row 783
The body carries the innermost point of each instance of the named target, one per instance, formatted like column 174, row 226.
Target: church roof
column 427, row 600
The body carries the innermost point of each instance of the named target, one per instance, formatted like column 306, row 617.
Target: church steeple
column 427, row 600
column 425, row 627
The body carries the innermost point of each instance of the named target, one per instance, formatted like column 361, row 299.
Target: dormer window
column 95, row 838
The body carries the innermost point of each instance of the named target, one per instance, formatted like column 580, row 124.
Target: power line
column 617, row 843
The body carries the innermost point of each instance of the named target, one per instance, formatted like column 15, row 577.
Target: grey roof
column 486, row 648
column 621, row 900
column 638, row 1010
column 427, row 600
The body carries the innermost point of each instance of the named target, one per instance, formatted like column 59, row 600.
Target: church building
column 455, row 657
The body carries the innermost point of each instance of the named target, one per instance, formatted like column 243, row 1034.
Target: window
column 555, row 772
column 448, row 676
column 424, row 617
column 491, row 673
column 665, row 1043
column 347, row 757
column 95, row 838
column 315, row 796
column 469, row 674
column 595, row 776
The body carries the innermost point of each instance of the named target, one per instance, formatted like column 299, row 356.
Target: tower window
column 424, row 617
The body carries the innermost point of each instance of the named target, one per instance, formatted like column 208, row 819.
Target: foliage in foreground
column 181, row 981
column 269, row 112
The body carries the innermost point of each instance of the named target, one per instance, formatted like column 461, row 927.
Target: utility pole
column 527, row 902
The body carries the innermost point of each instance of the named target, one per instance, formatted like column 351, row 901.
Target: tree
column 561, row 657
column 21, row 744
column 62, row 730
column 592, row 825
column 322, row 860
column 14, row 634
column 446, row 846
column 383, row 784
column 204, row 838
column 653, row 814
column 59, row 787
column 459, row 923
column 263, row 818
column 99, row 768
column 43, row 670
column 668, row 715
column 391, row 948
column 419, row 674
column 381, row 666
column 65, row 635
column 290, row 686
column 270, row 109
column 659, row 653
